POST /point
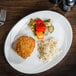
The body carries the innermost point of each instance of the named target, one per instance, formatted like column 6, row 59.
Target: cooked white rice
column 48, row 49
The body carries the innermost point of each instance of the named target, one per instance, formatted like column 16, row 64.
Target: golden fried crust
column 24, row 46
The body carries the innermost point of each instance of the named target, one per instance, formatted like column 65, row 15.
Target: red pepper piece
column 40, row 26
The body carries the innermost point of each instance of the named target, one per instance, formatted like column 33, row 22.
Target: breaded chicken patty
column 24, row 46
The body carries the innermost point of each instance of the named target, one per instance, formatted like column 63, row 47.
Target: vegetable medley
column 40, row 27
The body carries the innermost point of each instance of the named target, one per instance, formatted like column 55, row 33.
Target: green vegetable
column 32, row 22
column 47, row 22
column 50, row 29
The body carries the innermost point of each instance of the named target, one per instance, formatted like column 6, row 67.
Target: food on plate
column 32, row 25
column 48, row 49
column 47, row 22
column 50, row 29
column 24, row 46
column 40, row 35
column 40, row 27
column 49, row 26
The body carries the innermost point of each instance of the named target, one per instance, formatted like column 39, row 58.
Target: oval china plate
column 62, row 32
